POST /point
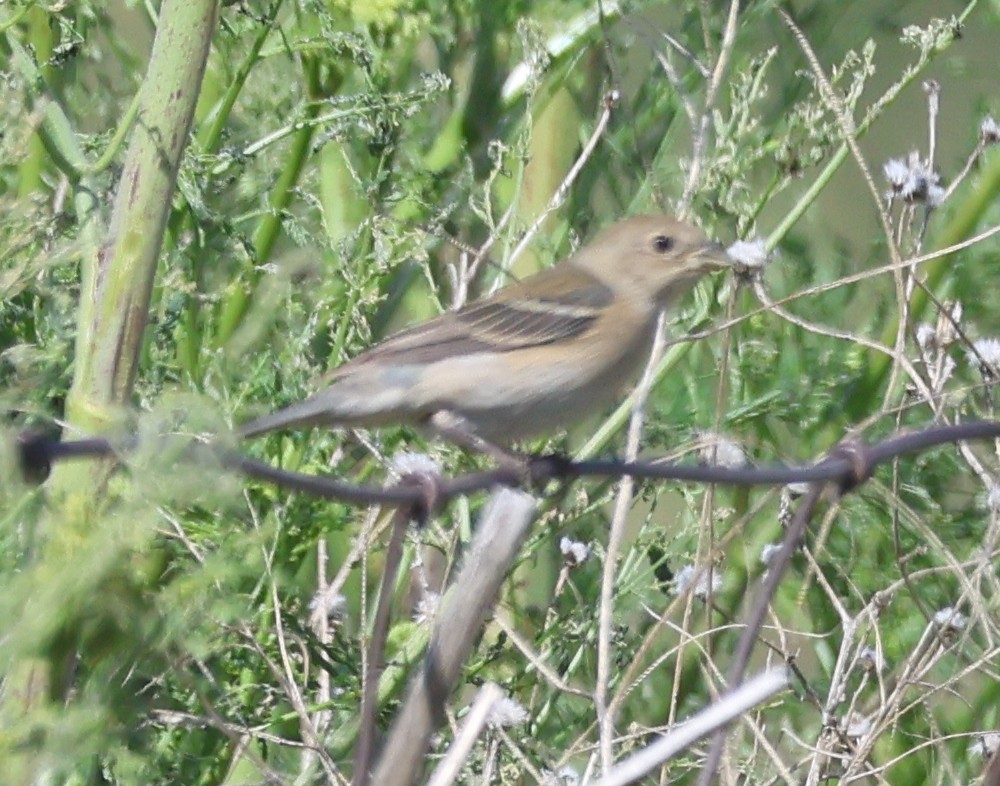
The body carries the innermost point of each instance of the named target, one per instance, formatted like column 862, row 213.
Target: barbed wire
column 848, row 464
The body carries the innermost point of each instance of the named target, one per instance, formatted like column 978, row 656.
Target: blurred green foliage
column 343, row 155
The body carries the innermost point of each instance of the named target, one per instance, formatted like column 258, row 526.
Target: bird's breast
column 521, row 393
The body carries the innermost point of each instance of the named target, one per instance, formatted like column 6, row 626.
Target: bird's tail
column 369, row 398
column 314, row 411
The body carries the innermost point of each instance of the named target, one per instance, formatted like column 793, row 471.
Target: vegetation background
column 169, row 622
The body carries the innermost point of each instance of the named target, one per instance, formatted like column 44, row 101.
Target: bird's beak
column 711, row 256
column 716, row 255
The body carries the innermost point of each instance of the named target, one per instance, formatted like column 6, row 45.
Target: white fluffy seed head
column 985, row 356
column 695, row 579
column 718, row 450
column 989, row 130
column 574, row 552
column 749, row 254
column 507, row 712
column 896, row 172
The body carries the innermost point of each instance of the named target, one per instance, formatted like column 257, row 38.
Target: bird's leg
column 456, row 429
column 531, row 470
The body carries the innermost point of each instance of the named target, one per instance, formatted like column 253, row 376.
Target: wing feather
column 555, row 305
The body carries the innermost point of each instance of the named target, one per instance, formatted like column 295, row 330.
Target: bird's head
column 657, row 257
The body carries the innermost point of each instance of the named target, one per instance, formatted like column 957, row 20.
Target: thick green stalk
column 116, row 282
column 117, row 276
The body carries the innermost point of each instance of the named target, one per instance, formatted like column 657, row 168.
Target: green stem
column 114, row 145
column 237, row 300
column 59, row 139
column 212, row 130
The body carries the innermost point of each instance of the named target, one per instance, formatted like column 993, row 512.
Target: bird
column 541, row 354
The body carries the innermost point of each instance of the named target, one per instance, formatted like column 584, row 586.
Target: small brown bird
column 542, row 353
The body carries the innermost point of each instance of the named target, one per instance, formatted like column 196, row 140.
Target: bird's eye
column 662, row 244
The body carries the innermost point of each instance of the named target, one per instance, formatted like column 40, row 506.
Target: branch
column 501, row 530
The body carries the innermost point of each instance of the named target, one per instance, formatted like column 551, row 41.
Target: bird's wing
column 554, row 305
